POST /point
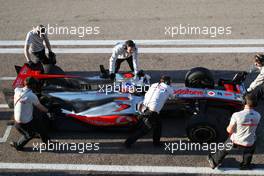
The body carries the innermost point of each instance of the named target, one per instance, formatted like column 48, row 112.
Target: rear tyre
column 199, row 77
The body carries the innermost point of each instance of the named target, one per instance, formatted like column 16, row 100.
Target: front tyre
column 200, row 130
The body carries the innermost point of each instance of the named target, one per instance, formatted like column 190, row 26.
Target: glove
column 30, row 63
column 112, row 76
column 49, row 115
column 51, row 54
column 55, row 110
column 52, row 58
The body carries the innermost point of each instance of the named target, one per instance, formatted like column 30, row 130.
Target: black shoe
column 10, row 123
column 127, row 144
column 14, row 144
column 246, row 167
column 157, row 144
column 211, row 161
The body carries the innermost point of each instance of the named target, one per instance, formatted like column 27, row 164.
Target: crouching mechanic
column 126, row 51
column 242, row 130
column 24, row 102
column 35, row 44
column 256, row 88
column 154, row 100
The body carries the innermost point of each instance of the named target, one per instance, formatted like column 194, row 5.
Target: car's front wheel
column 201, row 130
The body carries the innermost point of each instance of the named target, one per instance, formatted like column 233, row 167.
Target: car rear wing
column 25, row 71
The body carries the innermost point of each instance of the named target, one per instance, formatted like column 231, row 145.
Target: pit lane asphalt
column 112, row 151
column 145, row 20
column 132, row 19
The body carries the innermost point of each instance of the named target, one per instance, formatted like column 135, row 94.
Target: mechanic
column 123, row 51
column 259, row 64
column 35, row 43
column 154, row 100
column 25, row 122
column 257, row 86
column 242, row 130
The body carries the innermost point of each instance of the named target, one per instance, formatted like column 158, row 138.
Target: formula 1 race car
column 208, row 105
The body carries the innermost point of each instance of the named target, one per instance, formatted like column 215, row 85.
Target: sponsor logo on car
column 219, row 93
column 211, row 93
column 188, row 92
column 228, row 94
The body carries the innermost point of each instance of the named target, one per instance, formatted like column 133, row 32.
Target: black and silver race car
column 208, row 105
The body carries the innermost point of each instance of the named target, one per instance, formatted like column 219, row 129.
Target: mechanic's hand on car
column 50, row 116
column 52, row 57
column 55, row 110
column 30, row 63
column 51, row 54
column 135, row 77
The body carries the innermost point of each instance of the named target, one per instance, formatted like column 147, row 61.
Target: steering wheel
column 239, row 77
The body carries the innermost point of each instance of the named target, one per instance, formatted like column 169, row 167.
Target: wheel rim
column 203, row 134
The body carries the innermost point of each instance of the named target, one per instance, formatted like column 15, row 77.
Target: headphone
column 166, row 80
column 259, row 58
column 244, row 100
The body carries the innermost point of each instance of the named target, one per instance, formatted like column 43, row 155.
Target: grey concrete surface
column 135, row 19
column 130, row 19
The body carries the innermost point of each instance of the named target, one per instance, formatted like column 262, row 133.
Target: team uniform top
column 24, row 100
column 119, row 52
column 157, row 95
column 246, row 123
column 258, row 81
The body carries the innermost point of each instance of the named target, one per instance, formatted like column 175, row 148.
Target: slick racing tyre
column 199, row 77
column 200, row 130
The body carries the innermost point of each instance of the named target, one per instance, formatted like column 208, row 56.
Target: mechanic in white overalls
column 125, row 51
column 24, row 102
column 154, row 100
column 242, row 130
column 256, row 88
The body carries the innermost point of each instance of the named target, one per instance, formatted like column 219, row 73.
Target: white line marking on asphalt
column 128, row 169
column 147, row 50
column 6, row 134
column 7, row 78
column 3, row 105
column 145, row 42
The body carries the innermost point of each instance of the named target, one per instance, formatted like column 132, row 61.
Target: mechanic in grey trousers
column 154, row 100
column 25, row 122
column 256, row 88
column 125, row 51
column 242, row 130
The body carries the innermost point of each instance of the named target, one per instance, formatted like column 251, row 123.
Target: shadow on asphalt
column 6, row 115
